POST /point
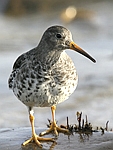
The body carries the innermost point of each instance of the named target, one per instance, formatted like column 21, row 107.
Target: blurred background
column 22, row 23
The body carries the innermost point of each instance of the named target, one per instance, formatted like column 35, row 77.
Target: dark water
column 94, row 94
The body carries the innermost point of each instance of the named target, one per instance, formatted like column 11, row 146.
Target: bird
column 46, row 76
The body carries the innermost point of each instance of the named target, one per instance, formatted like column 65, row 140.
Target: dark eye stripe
column 58, row 35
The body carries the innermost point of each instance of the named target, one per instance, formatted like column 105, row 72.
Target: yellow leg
column 54, row 127
column 35, row 137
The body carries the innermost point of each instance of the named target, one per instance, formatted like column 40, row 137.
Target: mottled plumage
column 46, row 76
column 44, row 79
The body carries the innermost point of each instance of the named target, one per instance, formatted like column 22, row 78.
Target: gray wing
column 17, row 65
column 19, row 62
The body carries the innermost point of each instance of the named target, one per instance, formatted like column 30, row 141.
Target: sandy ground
column 11, row 139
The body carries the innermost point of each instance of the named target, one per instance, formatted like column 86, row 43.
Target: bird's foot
column 35, row 138
column 55, row 129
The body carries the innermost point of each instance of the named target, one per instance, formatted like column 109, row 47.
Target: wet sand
column 11, row 139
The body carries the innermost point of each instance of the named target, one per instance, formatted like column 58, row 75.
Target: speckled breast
column 38, row 86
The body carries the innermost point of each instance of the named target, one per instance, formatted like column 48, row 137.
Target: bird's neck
column 46, row 56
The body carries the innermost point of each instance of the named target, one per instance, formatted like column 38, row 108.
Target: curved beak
column 76, row 48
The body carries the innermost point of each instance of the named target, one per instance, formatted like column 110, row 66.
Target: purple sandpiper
column 46, row 76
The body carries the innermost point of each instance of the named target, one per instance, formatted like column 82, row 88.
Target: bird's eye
column 58, row 35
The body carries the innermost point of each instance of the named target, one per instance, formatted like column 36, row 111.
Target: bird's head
column 59, row 38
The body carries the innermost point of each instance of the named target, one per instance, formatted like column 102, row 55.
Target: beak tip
column 94, row 60
column 75, row 47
